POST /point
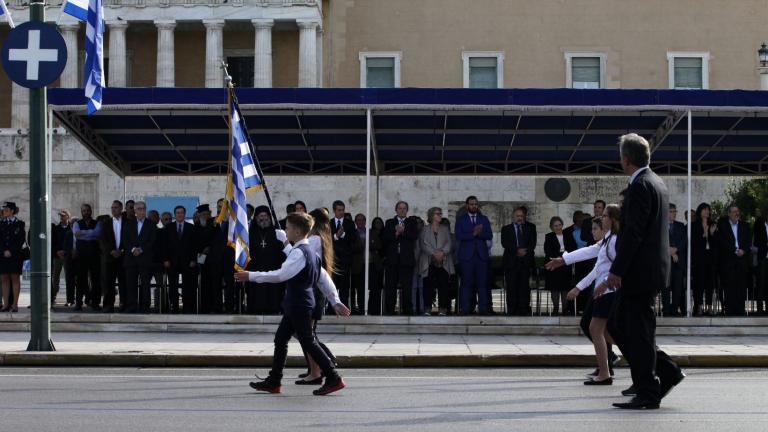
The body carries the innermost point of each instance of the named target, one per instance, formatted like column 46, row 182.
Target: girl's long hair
column 322, row 229
column 613, row 212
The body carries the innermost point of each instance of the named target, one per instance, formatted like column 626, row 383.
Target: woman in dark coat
column 558, row 282
column 12, row 237
column 703, row 260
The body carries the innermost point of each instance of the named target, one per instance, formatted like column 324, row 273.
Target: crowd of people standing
column 417, row 266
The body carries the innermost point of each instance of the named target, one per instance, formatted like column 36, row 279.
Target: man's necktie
column 517, row 235
column 178, row 230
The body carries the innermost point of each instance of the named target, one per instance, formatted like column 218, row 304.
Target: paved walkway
column 198, row 349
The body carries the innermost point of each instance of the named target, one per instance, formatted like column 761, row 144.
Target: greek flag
column 92, row 12
column 243, row 177
column 94, row 55
column 76, row 8
column 4, row 12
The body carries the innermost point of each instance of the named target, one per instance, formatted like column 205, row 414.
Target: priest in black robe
column 266, row 254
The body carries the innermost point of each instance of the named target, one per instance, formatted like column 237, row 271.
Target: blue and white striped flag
column 250, row 174
column 243, row 177
column 94, row 55
column 76, row 8
column 92, row 12
column 4, row 12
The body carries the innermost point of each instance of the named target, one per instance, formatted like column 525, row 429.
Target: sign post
column 33, row 56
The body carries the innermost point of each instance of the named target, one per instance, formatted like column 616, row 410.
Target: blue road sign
column 34, row 54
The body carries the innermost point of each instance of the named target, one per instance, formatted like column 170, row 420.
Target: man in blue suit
column 472, row 231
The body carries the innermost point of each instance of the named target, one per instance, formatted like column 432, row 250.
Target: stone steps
column 474, row 325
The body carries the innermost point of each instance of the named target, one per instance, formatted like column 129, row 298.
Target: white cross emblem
column 33, row 55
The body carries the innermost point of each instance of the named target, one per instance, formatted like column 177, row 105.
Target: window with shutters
column 483, row 69
column 585, row 70
column 380, row 69
column 688, row 71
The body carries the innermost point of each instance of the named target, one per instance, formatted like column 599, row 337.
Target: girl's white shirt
column 604, row 251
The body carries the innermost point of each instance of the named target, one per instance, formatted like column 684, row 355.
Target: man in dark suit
column 761, row 244
column 639, row 271
column 399, row 238
column 673, row 297
column 61, row 258
column 519, row 242
column 111, row 256
column 345, row 240
column 138, row 242
column 735, row 244
column 180, row 258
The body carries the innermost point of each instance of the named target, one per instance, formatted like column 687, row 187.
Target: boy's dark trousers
column 299, row 324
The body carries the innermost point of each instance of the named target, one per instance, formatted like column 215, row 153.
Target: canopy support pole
column 367, row 207
column 690, row 217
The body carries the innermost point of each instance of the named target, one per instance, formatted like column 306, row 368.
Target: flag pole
column 251, row 147
column 7, row 14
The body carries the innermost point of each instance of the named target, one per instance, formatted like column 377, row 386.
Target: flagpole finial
column 227, row 76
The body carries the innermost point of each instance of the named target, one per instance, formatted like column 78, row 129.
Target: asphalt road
column 109, row 399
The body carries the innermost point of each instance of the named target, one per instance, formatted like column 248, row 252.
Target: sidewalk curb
column 21, row 358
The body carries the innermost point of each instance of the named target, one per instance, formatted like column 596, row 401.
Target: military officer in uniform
column 12, row 236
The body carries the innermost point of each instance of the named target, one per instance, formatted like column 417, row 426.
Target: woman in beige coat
column 436, row 261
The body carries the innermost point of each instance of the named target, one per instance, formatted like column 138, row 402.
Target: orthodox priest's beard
column 264, row 224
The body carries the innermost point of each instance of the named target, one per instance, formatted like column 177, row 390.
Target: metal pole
column 367, row 208
column 690, row 218
column 39, row 209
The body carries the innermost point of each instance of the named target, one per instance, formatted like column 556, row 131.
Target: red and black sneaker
column 331, row 385
column 266, row 386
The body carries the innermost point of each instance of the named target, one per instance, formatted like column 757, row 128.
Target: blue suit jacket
column 469, row 245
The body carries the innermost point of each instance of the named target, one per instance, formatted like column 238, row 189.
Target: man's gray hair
column 635, row 148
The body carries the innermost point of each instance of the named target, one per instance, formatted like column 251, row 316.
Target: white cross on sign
column 33, row 55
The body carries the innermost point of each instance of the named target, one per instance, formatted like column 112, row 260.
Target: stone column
column 19, row 107
column 69, row 78
column 262, row 69
column 214, row 51
column 307, row 53
column 319, row 60
column 118, row 58
column 165, row 61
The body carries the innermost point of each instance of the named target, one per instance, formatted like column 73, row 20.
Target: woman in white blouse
column 606, row 228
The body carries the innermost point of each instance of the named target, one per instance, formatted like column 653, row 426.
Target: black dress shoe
column 316, row 381
column 108, row 310
column 631, row 391
column 667, row 385
column 78, row 307
column 637, row 404
column 266, row 386
column 606, row 382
